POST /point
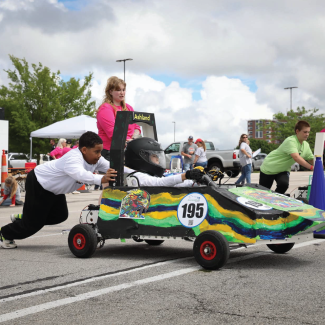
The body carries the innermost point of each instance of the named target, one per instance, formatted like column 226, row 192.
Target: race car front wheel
column 211, row 250
column 280, row 248
column 82, row 241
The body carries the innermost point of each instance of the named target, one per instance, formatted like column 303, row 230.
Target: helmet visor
column 157, row 158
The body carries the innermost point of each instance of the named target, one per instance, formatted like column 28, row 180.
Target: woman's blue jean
column 245, row 174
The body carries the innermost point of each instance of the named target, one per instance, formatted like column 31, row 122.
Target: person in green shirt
column 277, row 165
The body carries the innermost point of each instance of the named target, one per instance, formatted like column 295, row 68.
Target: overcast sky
column 208, row 65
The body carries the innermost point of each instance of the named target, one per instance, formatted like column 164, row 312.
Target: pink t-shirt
column 65, row 150
column 74, row 147
column 106, row 121
column 57, row 153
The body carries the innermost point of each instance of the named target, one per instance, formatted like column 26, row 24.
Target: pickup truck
column 226, row 160
column 18, row 160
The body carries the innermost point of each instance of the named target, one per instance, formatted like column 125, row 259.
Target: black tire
column 280, row 248
column 154, row 242
column 82, row 241
column 232, row 173
column 211, row 250
column 215, row 165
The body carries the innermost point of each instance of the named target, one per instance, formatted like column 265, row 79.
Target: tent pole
column 31, row 149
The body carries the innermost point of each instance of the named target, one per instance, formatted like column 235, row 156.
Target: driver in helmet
column 147, row 158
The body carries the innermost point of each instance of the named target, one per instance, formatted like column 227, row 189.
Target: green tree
column 35, row 99
column 264, row 145
column 284, row 126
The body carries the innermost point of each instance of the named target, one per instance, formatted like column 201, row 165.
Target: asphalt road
column 133, row 283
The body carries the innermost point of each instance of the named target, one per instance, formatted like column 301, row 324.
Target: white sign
column 256, row 152
column 192, row 210
column 252, row 204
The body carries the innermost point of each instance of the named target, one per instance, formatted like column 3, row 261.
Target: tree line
column 37, row 97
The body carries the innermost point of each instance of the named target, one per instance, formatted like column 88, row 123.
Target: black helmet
column 145, row 155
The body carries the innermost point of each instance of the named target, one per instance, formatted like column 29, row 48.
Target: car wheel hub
column 208, row 250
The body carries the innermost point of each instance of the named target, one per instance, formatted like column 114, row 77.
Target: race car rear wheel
column 216, row 165
column 280, row 248
column 211, row 250
column 154, row 242
column 82, row 241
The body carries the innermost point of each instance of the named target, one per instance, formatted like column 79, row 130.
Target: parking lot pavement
column 133, row 283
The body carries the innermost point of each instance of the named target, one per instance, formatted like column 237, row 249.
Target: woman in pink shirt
column 58, row 151
column 68, row 147
column 113, row 102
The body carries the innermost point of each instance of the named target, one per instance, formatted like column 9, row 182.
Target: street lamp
column 290, row 96
column 174, row 129
column 123, row 60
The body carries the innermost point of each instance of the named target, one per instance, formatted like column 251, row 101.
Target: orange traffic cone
column 4, row 171
column 82, row 189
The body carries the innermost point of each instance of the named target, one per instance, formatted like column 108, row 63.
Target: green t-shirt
column 279, row 160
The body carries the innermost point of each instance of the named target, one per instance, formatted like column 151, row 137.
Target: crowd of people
column 47, row 184
column 194, row 154
column 277, row 165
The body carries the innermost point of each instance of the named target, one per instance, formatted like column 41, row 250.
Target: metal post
column 124, row 64
column 290, row 96
column 31, row 149
column 174, row 129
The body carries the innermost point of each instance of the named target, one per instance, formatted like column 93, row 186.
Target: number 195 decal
column 192, row 210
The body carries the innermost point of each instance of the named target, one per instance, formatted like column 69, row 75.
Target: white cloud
column 221, row 116
column 275, row 43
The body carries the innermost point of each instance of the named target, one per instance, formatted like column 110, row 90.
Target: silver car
column 258, row 160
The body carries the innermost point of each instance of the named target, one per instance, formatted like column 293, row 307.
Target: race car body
column 242, row 215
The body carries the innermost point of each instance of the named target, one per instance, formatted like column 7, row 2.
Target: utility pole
column 174, row 129
column 290, row 96
column 123, row 60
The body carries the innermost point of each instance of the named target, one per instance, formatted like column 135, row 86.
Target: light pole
column 123, row 60
column 174, row 129
column 290, row 96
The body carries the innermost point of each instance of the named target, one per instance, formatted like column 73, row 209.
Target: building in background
column 258, row 129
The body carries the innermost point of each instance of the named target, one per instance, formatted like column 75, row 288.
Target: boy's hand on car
column 109, row 176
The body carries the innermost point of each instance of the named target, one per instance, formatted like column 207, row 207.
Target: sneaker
column 5, row 243
column 75, row 192
column 14, row 217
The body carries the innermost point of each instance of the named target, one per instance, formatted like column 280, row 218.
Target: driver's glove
column 194, row 174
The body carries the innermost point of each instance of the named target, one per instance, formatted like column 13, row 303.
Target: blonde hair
column 59, row 145
column 203, row 145
column 12, row 183
column 113, row 83
column 241, row 139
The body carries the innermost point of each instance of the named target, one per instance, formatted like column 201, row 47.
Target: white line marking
column 91, row 294
column 96, row 293
column 314, row 241
column 35, row 293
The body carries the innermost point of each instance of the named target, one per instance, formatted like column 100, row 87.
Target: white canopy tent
column 71, row 128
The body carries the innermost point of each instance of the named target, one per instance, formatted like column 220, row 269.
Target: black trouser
column 41, row 208
column 282, row 181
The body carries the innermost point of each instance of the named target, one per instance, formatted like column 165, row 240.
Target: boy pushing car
column 47, row 184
